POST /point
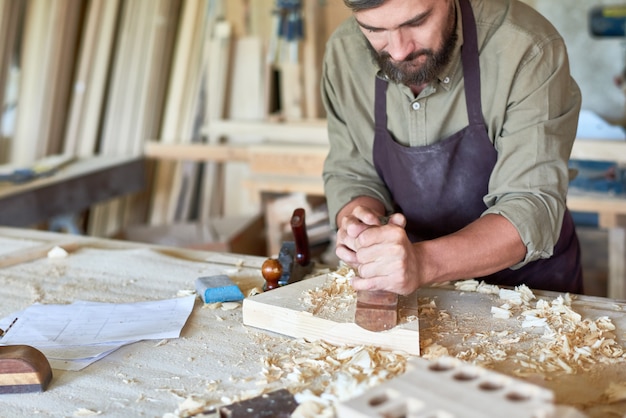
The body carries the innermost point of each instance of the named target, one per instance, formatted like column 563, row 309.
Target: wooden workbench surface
column 218, row 360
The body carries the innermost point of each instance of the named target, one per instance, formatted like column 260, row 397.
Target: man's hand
column 386, row 259
column 351, row 227
column 377, row 248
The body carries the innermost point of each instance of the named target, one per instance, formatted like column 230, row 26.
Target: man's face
column 412, row 40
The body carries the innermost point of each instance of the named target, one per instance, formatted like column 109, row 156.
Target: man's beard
column 409, row 73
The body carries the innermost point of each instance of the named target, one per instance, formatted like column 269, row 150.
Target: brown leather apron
column 440, row 187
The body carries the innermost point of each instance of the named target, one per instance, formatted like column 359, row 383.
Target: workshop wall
column 594, row 62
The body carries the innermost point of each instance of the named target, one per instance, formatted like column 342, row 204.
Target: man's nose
column 399, row 44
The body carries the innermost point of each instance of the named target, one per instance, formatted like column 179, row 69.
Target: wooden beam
column 313, row 131
column 599, row 150
column 196, row 152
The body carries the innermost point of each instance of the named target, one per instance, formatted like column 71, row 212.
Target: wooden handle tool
column 23, row 369
column 301, row 238
column 376, row 310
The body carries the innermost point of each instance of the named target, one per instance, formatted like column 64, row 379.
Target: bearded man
column 451, row 124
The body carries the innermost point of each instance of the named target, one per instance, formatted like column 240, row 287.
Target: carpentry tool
column 220, row 288
column 272, row 272
column 277, row 404
column 294, row 256
column 376, row 310
column 23, row 369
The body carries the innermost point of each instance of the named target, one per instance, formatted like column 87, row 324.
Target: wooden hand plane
column 294, row 259
column 376, row 310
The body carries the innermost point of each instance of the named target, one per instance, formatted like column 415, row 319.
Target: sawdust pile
column 335, row 298
column 321, row 375
column 566, row 342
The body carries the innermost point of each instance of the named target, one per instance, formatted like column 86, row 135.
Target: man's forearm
column 488, row 245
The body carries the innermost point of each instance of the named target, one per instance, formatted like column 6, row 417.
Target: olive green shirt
column 530, row 105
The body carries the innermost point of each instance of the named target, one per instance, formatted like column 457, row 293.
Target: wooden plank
column 66, row 28
column 35, row 253
column 11, row 13
column 276, row 184
column 180, row 106
column 196, row 152
column 290, row 160
column 135, row 100
column 600, row 150
column 88, row 99
column 50, row 35
column 313, row 131
column 291, row 90
column 616, row 287
column 313, row 49
column 217, row 78
column 283, row 311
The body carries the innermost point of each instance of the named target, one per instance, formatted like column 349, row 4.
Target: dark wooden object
column 376, row 310
column 23, row 369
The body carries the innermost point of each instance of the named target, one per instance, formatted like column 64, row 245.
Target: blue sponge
column 220, row 288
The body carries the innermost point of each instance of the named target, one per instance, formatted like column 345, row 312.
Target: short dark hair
column 358, row 5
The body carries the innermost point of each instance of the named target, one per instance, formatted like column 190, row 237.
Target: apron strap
column 471, row 65
column 380, row 106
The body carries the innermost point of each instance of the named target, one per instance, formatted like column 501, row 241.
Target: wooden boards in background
column 51, row 29
column 173, row 180
column 90, row 83
column 135, row 97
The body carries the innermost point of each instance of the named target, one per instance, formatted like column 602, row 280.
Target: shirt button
column 416, row 106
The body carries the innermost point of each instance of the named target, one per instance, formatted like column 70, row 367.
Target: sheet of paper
column 75, row 335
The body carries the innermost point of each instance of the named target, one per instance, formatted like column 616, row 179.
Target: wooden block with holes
column 449, row 387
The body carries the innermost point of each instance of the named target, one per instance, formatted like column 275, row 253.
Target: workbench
column 217, row 359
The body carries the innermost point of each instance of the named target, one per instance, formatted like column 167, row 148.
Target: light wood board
column 283, row 311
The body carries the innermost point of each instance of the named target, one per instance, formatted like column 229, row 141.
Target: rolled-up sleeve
column 529, row 183
column 349, row 171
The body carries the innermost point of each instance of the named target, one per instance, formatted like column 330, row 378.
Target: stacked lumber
column 135, row 96
column 49, row 40
column 9, row 9
column 174, row 181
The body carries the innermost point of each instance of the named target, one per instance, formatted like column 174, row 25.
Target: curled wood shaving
column 568, row 344
column 323, row 374
column 335, row 295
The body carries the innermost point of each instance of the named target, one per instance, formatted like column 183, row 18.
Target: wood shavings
column 229, row 306
column 255, row 291
column 185, row 292
column 476, row 286
column 84, row 412
column 501, row 312
column 335, row 296
column 569, row 344
column 191, row 406
column 306, row 367
column 57, row 252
